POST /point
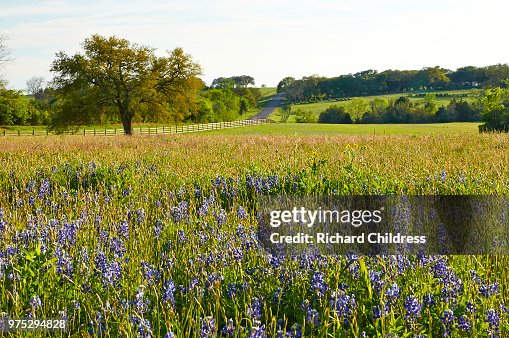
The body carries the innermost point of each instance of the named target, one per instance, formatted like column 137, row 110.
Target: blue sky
column 265, row 39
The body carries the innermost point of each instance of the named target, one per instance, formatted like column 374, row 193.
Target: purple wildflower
column 413, row 307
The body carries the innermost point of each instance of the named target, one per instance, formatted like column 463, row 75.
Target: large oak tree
column 113, row 77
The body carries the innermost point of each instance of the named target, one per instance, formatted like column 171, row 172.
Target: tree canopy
column 114, row 78
column 495, row 110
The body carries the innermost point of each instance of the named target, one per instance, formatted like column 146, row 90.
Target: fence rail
column 177, row 129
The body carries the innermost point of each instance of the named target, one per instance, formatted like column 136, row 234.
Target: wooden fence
column 185, row 128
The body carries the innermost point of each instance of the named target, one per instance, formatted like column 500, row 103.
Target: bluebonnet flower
column 278, row 294
column 150, row 273
column 123, row 229
column 429, row 300
column 44, row 188
column 64, row 261
column 304, row 306
column 380, row 311
column 464, row 324
column 111, row 273
column 10, row 251
column 393, row 292
column 193, row 283
column 489, row 290
column 169, row 289
column 254, row 310
column 228, row 329
column 140, row 302
column 318, row 284
column 158, row 228
column 140, row 216
column 62, row 315
column 448, row 320
column 470, row 307
column 257, row 331
column 99, row 320
column 413, row 307
column 493, row 320
column 117, row 247
column 377, row 281
column 237, row 254
column 295, row 331
column 231, row 290
column 241, row 212
column 221, row 217
column 197, row 191
column 181, row 237
column 3, row 224
column 83, row 255
column 204, row 209
column 35, row 302
column 241, row 233
column 144, row 328
column 208, row 327
column 181, row 193
column 212, row 280
column 475, row 277
column 343, row 305
column 179, row 213
column 169, row 335
column 275, row 261
column 313, row 317
column 85, row 288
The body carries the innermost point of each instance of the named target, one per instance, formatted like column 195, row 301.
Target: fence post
column 46, row 132
column 104, row 131
column 94, row 131
column 19, row 133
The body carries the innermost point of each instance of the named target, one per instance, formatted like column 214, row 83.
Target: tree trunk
column 126, row 118
column 126, row 123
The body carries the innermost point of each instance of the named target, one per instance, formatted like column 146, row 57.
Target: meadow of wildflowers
column 157, row 237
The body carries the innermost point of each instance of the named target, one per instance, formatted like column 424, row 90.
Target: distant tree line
column 371, row 82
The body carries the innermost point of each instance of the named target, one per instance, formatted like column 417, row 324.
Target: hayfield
column 156, row 235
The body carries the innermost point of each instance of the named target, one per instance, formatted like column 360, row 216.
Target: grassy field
column 157, row 235
column 302, row 129
column 319, row 107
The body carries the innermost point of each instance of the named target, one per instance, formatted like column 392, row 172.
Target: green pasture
column 353, row 129
column 318, row 107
